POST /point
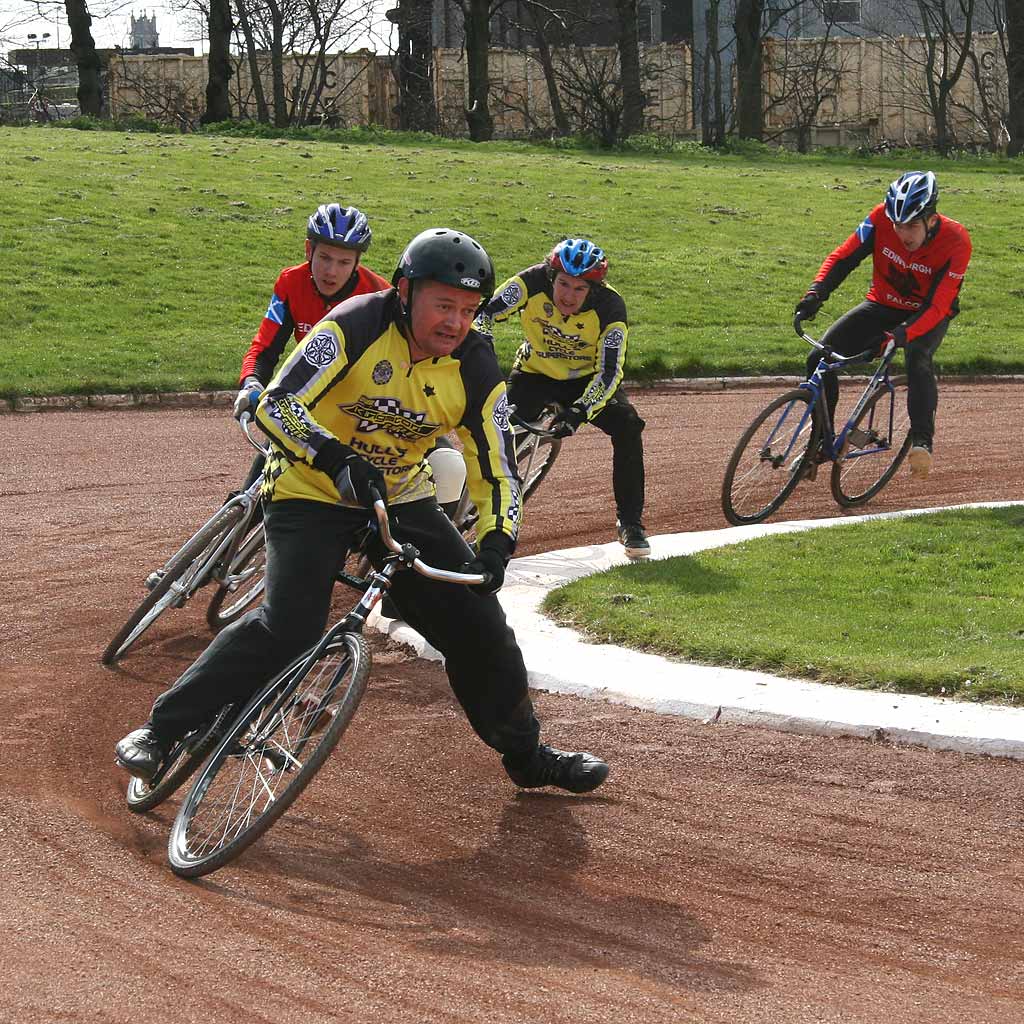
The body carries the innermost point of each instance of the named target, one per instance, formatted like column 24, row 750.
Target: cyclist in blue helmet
column 919, row 260
column 574, row 353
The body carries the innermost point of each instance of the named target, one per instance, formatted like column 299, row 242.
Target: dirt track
column 723, row 874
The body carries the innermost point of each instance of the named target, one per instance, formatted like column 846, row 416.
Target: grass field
column 928, row 604
column 144, row 262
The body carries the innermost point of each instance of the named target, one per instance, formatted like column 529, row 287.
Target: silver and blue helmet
column 578, row 257
column 912, row 195
column 341, row 226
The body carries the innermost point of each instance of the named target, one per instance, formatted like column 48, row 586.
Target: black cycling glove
column 491, row 558
column 807, row 308
column 566, row 423
column 357, row 479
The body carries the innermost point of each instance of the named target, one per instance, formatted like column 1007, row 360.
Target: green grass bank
column 930, row 604
column 143, row 262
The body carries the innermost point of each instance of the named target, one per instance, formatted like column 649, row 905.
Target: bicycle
column 536, row 450
column 272, row 750
column 794, row 434
column 228, row 550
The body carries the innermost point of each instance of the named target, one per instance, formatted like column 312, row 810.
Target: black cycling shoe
column 578, row 773
column 140, row 753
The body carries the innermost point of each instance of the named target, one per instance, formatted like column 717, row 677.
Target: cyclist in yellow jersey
column 351, row 412
column 574, row 353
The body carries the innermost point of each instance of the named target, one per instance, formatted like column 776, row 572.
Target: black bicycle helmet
column 441, row 254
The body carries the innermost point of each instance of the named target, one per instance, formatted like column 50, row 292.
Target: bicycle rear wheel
column 875, row 447
column 181, row 762
column 243, row 583
column 771, row 458
column 178, row 580
column 269, row 755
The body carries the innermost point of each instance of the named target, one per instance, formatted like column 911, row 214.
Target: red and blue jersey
column 925, row 283
column 295, row 307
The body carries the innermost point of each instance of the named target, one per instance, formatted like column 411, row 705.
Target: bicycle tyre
column 174, row 583
column 764, row 468
column 262, row 764
column 182, row 761
column 249, row 567
column 883, row 430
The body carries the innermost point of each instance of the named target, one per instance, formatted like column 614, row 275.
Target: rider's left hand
column 898, row 336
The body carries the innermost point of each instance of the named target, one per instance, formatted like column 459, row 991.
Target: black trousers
column 307, row 543
column 863, row 327
column 530, row 392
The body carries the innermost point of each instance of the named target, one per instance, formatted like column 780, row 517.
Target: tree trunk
column 218, row 107
column 749, row 60
column 1015, row 74
column 262, row 110
column 90, row 91
column 477, row 17
column 417, row 111
column 547, row 65
column 277, row 66
column 629, row 68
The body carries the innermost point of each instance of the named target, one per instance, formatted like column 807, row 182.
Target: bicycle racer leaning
column 574, row 353
column 919, row 259
column 354, row 410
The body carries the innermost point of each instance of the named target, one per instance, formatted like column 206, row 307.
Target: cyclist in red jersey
column 336, row 238
column 920, row 258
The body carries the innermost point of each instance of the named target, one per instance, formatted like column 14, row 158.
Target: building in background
column 144, row 34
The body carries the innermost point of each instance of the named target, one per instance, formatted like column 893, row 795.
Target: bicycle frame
column 830, row 361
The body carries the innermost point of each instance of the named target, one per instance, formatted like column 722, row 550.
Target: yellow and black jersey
column 352, row 381
column 592, row 343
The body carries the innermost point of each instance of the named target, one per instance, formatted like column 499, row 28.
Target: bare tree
column 938, row 49
column 749, row 62
column 83, row 46
column 220, row 68
column 476, row 19
column 1015, row 74
column 629, row 68
column 414, row 65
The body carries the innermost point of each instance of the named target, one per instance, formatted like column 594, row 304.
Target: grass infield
column 144, row 262
column 929, row 604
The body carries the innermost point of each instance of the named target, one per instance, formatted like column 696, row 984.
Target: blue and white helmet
column 910, row 196
column 578, row 257
column 343, row 226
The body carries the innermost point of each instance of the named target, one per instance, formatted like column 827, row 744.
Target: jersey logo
column 512, row 294
column 865, row 230
column 383, row 372
column 500, row 415
column 275, row 311
column 613, row 339
column 387, row 414
column 549, row 310
column 321, row 349
column 292, row 417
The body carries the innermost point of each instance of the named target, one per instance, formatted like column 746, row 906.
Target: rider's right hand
column 360, row 482
column 248, row 398
column 807, row 308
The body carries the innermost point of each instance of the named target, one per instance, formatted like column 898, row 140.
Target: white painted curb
column 560, row 660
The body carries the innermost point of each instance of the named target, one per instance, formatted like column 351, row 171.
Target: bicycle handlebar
column 837, row 360
column 432, row 573
column 518, row 421
column 243, row 421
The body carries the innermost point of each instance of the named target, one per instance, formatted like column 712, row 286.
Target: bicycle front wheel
column 874, row 448
column 268, row 756
column 177, row 581
column 771, row 458
column 243, row 583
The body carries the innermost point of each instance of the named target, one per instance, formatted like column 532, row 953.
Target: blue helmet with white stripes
column 910, row 196
column 341, row 226
column 578, row 257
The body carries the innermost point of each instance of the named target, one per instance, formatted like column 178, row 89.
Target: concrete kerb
column 201, row 399
column 560, row 660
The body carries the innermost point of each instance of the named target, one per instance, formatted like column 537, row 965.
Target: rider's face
column 913, row 235
column 441, row 317
column 331, row 267
column 569, row 293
